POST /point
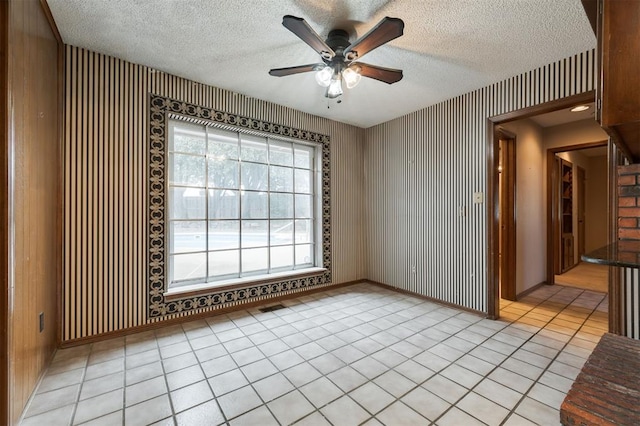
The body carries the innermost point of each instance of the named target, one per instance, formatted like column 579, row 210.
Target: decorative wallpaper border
column 159, row 109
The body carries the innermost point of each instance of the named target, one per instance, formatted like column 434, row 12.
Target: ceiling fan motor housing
column 338, row 41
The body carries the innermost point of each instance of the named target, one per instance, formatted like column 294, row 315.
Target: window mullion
column 222, row 167
column 293, row 152
column 206, row 202
column 268, row 205
column 240, row 192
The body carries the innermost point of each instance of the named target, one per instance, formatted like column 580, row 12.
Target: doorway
column 578, row 211
column 495, row 244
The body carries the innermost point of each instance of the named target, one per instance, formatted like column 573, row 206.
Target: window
column 239, row 205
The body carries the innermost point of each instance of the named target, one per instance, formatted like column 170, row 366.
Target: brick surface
column 629, row 191
column 629, row 202
column 628, row 222
column 607, row 390
column 626, row 202
column 627, row 180
column 629, row 170
column 629, row 212
column 629, row 234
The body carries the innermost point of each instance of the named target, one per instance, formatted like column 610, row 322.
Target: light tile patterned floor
column 355, row 355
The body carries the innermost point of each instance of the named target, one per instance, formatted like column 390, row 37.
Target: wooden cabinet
column 618, row 91
column 566, row 187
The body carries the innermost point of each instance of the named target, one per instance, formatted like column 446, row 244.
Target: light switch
column 478, row 197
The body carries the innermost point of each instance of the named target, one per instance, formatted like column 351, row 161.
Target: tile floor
column 356, row 355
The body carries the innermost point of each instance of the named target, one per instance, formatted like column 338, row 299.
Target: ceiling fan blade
column 299, row 27
column 387, row 75
column 386, row 30
column 282, row 72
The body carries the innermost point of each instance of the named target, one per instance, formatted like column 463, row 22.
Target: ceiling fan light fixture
column 324, row 76
column 335, row 87
column 351, row 76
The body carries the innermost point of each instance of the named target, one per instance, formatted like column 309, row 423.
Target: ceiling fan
column 340, row 57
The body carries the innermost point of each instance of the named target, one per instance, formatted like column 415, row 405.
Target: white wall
column 530, row 207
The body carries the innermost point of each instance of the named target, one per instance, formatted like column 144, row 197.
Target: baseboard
column 530, row 290
column 41, row 377
column 430, row 299
column 181, row 320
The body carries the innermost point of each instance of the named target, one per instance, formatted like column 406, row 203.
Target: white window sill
column 211, row 287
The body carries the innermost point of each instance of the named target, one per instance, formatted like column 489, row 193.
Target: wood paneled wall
column 105, row 177
column 4, row 213
column 32, row 196
column 425, row 233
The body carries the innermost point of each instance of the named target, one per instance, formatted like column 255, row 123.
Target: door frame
column 553, row 219
column 507, row 216
column 493, row 208
column 580, row 211
column 4, row 214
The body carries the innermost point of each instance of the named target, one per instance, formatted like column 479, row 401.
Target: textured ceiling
column 449, row 47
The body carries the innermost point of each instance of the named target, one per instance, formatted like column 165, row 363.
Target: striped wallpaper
column 105, row 185
column 424, row 232
column 404, row 216
column 630, row 285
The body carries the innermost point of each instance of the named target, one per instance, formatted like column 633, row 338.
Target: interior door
column 581, row 208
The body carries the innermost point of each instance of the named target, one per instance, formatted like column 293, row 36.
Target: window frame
column 208, row 130
column 161, row 303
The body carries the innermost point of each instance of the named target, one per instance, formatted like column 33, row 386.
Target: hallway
column 587, row 276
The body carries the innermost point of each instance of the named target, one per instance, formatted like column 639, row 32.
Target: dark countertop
column 621, row 253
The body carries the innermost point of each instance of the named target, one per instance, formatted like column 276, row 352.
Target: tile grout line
column 398, row 399
column 501, row 363
column 166, row 383
column 304, row 309
column 204, row 374
column 250, row 383
column 524, row 395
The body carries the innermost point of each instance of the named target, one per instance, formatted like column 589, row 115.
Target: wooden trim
column 4, row 213
column 181, row 320
column 528, row 291
column 580, row 212
column 591, row 10
column 493, row 280
column 552, row 222
column 563, row 103
column 507, row 220
column 427, row 298
column 616, row 314
column 60, row 208
column 553, row 237
column 52, row 22
column 618, row 89
column 493, row 225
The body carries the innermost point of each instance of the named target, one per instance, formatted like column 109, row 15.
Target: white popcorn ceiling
column 449, row 47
